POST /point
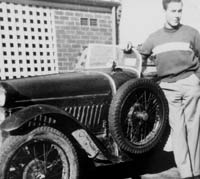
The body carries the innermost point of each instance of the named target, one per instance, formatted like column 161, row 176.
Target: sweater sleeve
column 197, row 44
column 146, row 48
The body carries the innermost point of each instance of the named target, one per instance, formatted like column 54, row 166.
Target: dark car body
column 79, row 105
column 85, row 95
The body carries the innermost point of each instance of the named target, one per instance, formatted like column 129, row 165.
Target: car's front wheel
column 41, row 154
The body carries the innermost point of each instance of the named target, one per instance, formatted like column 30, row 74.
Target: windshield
column 103, row 56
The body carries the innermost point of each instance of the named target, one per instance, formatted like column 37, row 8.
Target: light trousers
column 184, row 118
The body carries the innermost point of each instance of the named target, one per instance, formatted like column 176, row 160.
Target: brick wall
column 72, row 25
column 75, row 30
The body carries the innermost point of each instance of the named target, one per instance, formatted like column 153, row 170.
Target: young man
column 176, row 49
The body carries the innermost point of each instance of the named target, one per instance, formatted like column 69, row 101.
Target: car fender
column 82, row 136
column 17, row 119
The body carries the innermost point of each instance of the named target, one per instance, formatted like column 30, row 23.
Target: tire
column 42, row 153
column 138, row 116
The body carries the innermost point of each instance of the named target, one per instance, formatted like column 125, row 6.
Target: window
column 84, row 21
column 93, row 22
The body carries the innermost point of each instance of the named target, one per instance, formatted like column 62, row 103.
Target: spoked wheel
column 47, row 161
column 45, row 153
column 138, row 117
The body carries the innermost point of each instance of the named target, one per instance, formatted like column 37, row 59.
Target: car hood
column 58, row 85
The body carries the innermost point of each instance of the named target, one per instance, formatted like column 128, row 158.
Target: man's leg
column 177, row 123
column 192, row 120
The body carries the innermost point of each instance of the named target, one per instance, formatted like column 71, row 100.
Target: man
column 176, row 49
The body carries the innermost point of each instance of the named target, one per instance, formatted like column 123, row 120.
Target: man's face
column 173, row 14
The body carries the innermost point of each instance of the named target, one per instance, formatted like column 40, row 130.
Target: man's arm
column 145, row 51
column 197, row 44
column 145, row 55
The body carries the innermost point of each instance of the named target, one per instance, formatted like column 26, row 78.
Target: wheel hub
column 137, row 112
column 141, row 115
column 34, row 170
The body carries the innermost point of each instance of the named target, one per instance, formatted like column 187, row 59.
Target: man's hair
column 166, row 2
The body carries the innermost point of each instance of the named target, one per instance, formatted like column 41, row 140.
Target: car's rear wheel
column 43, row 153
column 138, row 116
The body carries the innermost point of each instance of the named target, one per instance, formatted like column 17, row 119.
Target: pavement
column 172, row 173
column 161, row 166
column 158, row 165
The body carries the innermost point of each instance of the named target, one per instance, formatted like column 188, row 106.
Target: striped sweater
column 175, row 52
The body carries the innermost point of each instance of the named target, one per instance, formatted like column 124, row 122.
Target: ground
column 172, row 173
column 158, row 165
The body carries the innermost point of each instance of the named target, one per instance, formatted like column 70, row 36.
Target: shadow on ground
column 155, row 163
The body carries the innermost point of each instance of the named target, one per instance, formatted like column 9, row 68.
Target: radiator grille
column 89, row 116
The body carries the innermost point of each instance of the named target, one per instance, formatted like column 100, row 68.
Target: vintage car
column 104, row 110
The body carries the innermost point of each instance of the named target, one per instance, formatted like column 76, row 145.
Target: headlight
column 2, row 96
